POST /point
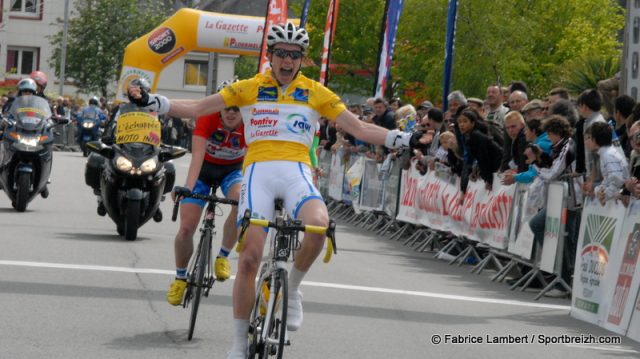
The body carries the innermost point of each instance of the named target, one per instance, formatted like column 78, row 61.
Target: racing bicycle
column 200, row 279
column 268, row 320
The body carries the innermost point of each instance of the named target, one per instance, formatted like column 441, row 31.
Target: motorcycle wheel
column 131, row 220
column 23, row 185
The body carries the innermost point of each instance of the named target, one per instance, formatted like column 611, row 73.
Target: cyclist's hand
column 179, row 192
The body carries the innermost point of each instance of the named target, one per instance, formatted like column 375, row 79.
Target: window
column 195, row 73
column 21, row 61
column 25, row 7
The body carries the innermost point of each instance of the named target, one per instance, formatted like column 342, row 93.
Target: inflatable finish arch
column 188, row 30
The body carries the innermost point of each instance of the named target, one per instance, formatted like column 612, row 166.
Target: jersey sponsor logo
column 267, row 94
column 264, row 122
column 265, row 111
column 300, row 95
column 264, row 133
column 218, row 137
column 298, row 124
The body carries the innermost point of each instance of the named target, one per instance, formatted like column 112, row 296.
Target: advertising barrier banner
column 554, row 224
column 336, row 176
column 627, row 277
column 371, row 188
column 600, row 227
column 520, row 234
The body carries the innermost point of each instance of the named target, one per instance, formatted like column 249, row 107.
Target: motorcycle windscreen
column 138, row 127
column 30, row 112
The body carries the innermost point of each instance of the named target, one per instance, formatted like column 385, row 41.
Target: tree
column 538, row 42
column 99, row 31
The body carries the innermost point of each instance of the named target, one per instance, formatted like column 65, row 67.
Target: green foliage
column 97, row 36
column 246, row 66
column 586, row 75
column 536, row 41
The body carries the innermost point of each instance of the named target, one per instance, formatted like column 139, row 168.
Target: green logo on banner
column 599, row 231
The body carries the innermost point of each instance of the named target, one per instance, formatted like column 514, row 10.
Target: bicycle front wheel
column 198, row 277
column 275, row 324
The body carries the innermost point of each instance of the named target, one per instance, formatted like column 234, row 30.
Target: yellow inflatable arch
column 189, row 30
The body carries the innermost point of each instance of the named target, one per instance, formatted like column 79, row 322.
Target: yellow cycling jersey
column 280, row 122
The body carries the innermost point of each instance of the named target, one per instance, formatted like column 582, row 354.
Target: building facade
column 25, row 26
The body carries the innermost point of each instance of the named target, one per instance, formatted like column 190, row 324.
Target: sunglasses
column 282, row 53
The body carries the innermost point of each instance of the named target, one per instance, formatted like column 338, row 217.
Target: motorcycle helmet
column 40, row 78
column 94, row 101
column 288, row 33
column 27, row 85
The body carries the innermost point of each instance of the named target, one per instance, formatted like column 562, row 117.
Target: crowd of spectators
column 585, row 141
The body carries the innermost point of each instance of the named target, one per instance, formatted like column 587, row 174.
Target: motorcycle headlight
column 123, row 164
column 28, row 141
column 88, row 124
column 149, row 165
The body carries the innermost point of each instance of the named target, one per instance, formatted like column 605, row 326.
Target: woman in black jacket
column 481, row 149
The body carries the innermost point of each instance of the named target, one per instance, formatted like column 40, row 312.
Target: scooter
column 132, row 176
column 25, row 150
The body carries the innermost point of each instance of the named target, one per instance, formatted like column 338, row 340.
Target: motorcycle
column 25, row 151
column 89, row 130
column 132, row 175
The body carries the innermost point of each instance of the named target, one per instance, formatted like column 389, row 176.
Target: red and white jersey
column 224, row 147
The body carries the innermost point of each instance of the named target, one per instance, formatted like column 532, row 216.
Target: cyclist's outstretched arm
column 194, row 108
column 377, row 135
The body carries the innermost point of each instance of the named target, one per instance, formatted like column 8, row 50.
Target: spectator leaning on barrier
column 513, row 157
column 613, row 166
column 623, row 108
column 634, row 162
column 589, row 104
column 535, row 135
column 562, row 168
column 496, row 110
column 480, row 148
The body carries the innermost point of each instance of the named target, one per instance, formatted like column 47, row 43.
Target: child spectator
column 613, row 166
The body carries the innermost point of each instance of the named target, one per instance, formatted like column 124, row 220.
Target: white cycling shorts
column 263, row 182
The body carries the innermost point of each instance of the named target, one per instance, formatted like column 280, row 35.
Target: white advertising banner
column 336, row 176
column 627, row 277
column 230, row 32
column 600, row 227
column 433, row 202
column 520, row 234
column 553, row 225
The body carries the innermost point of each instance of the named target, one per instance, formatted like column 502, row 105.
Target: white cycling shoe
column 294, row 311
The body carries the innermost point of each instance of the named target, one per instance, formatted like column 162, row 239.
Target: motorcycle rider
column 95, row 162
column 40, row 79
column 92, row 112
column 25, row 87
column 217, row 153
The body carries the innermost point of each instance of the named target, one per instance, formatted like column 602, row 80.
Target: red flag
column 276, row 14
column 329, row 30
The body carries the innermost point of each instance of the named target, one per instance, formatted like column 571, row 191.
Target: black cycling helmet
column 27, row 85
column 94, row 101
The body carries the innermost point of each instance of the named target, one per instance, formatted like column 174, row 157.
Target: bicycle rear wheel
column 197, row 278
column 276, row 324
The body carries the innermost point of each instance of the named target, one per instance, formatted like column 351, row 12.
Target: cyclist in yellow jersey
column 280, row 110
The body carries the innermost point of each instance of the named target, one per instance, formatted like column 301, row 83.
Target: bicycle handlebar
column 329, row 231
column 213, row 199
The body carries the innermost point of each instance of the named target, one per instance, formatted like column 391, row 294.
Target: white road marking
column 607, row 348
column 307, row 283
